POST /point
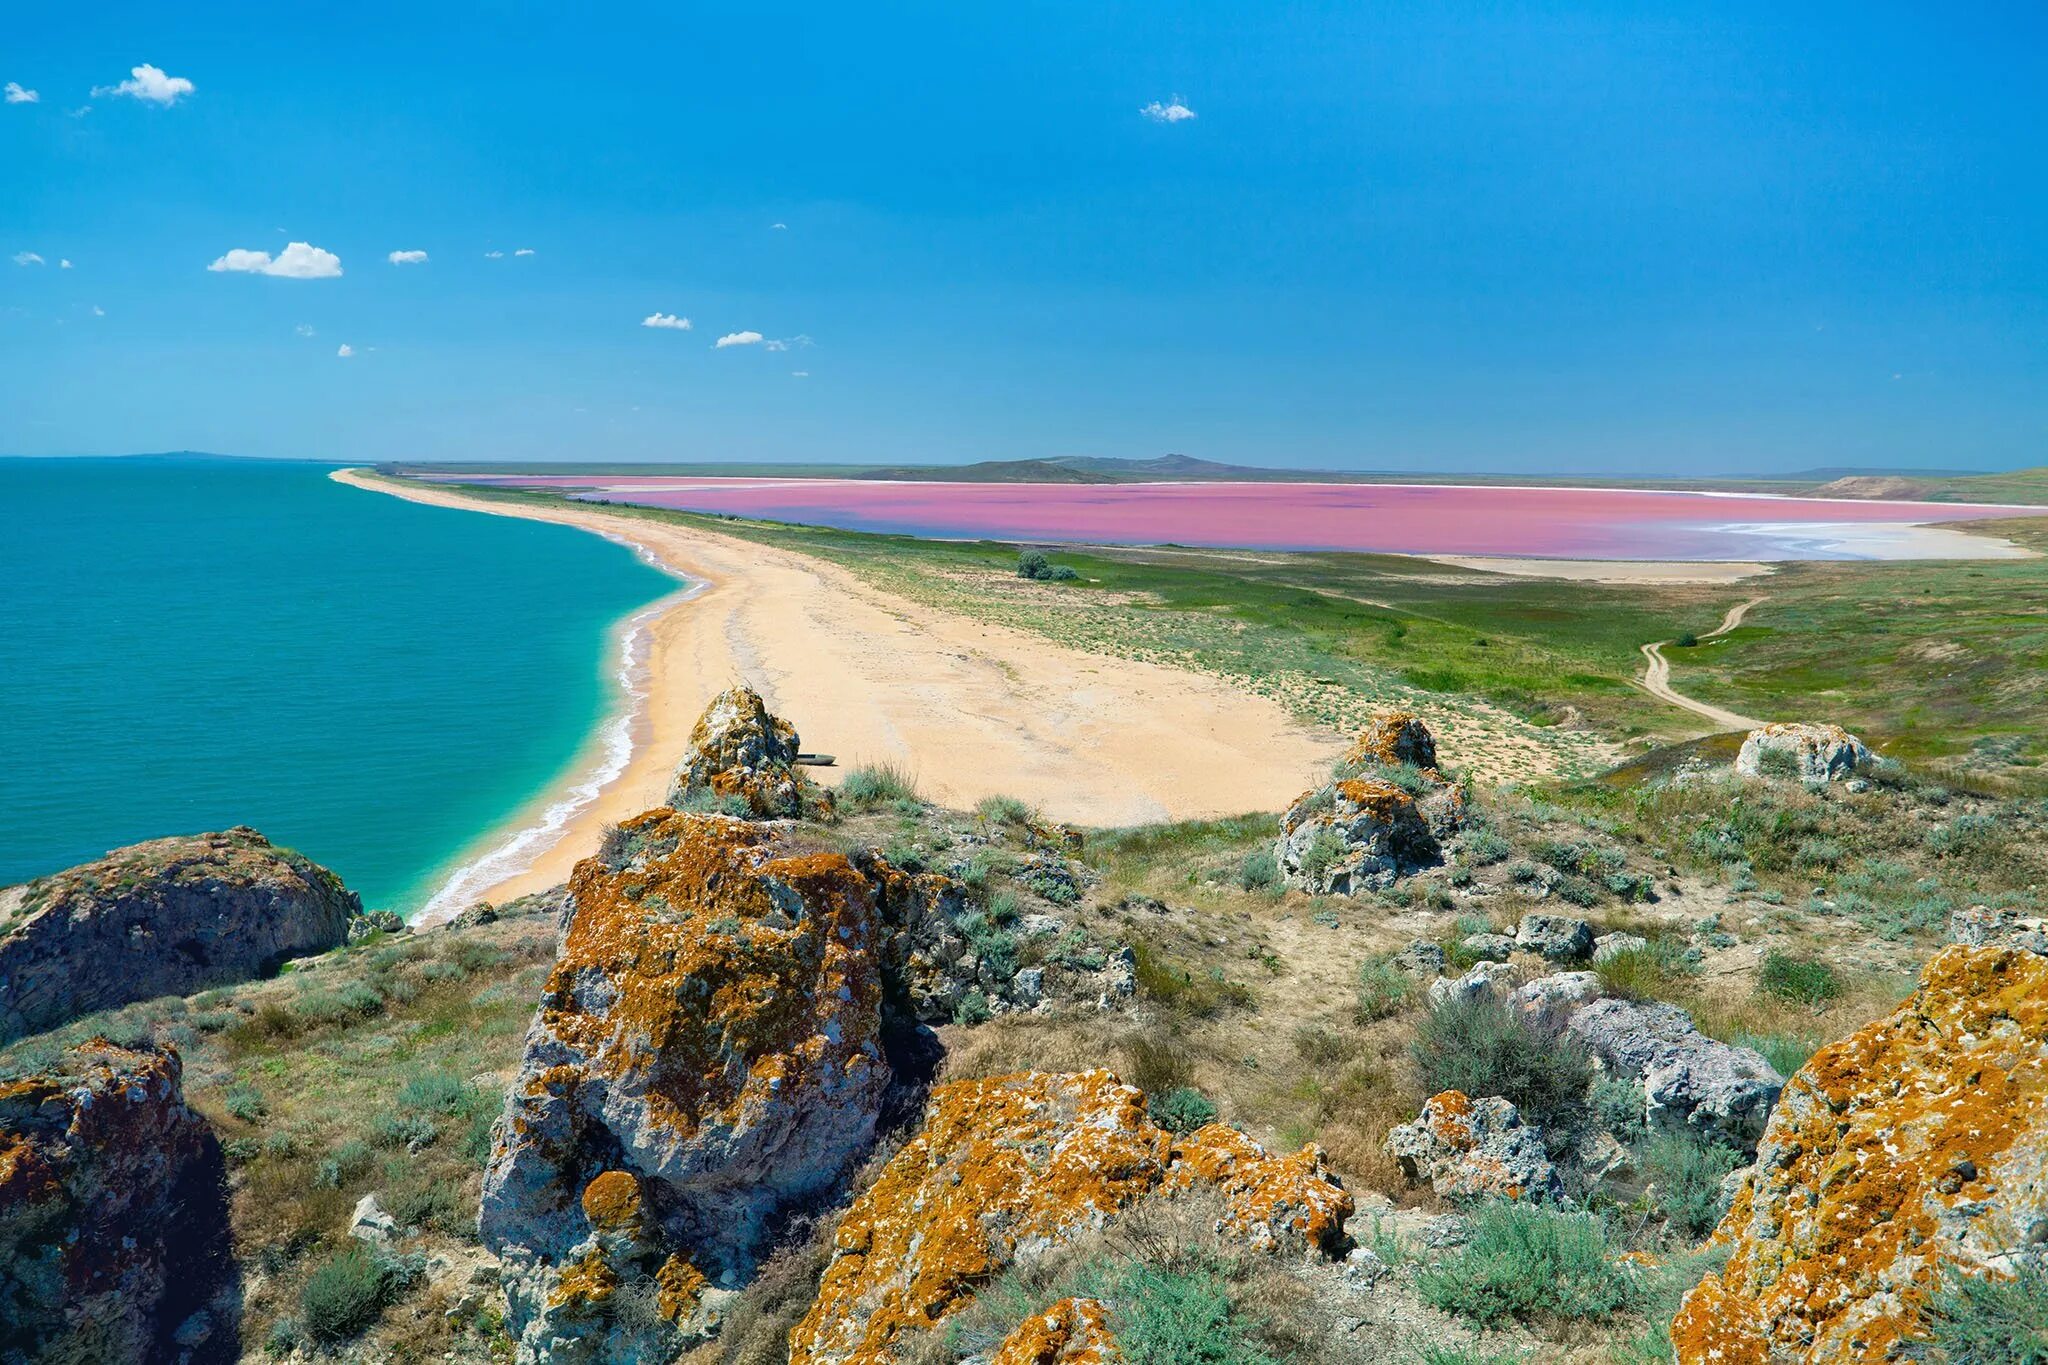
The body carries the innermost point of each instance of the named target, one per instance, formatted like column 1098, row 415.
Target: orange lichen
column 1393, row 737
column 585, row 1282
column 612, row 1202
column 1883, row 1150
column 1019, row 1161
column 1071, row 1332
column 678, row 1286
column 1384, row 801
column 741, row 751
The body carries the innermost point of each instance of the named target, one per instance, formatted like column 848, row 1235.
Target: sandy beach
column 972, row 710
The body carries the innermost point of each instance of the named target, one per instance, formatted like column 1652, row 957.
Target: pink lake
column 1426, row 519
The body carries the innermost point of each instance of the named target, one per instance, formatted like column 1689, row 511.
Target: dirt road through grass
column 1656, row 678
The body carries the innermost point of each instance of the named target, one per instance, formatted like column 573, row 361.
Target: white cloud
column 298, row 261
column 16, row 95
column 345, row 351
column 778, row 227
column 524, row 251
column 799, row 374
column 668, row 320
column 98, row 311
column 149, row 83
column 736, row 339
column 1176, row 112
column 783, row 344
column 494, row 255
column 30, row 258
column 408, row 258
column 304, row 329
column 64, row 264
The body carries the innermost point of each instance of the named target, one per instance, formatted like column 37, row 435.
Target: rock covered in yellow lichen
column 113, row 1214
column 742, row 760
column 1006, row 1167
column 707, row 1051
column 1352, row 835
column 1071, row 1332
column 1474, row 1149
column 1917, row 1144
column 1393, row 737
column 1811, row 753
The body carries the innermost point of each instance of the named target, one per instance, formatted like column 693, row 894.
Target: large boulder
column 168, row 917
column 1557, row 937
column 1914, row 1148
column 708, row 1051
column 1353, row 835
column 114, row 1238
column 1690, row 1081
column 1811, row 753
column 1475, row 1149
column 1005, row 1168
column 743, row 760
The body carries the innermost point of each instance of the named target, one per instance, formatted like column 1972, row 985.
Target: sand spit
column 971, row 710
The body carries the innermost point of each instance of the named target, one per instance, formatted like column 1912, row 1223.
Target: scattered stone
column 1982, row 927
column 374, row 922
column 742, row 760
column 1486, row 981
column 1551, row 999
column 1421, row 959
column 1351, row 836
column 1392, row 738
column 1690, row 1081
column 1613, row 945
column 1007, row 1167
column 1915, row 1147
column 1813, row 753
column 113, row 1214
column 1488, row 947
column 370, row 1223
column 168, row 917
column 1475, row 1149
column 478, row 915
column 1556, row 937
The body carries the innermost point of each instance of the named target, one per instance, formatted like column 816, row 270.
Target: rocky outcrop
column 1475, row 1149
column 709, row 1050
column 1918, row 1144
column 1557, row 937
column 1353, row 835
column 1486, row 981
column 1007, row 1167
column 1690, row 1081
column 1071, row 1332
column 1810, row 753
column 1390, row 739
column 113, row 1215
column 1980, row 926
column 742, row 760
column 168, row 917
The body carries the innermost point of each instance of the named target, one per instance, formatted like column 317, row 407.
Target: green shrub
column 245, row 1102
column 1323, row 852
column 410, row 1131
column 1778, row 763
column 345, row 1163
column 1483, row 1048
column 1003, row 810
column 1260, row 870
column 899, row 852
column 1382, row 988
column 1523, row 1261
column 1183, row 1110
column 1484, row 848
column 1652, row 972
column 1033, row 564
column 437, row 1206
column 1688, row 1172
column 346, row 1292
column 1463, row 1355
column 1799, row 980
column 1966, row 836
column 1992, row 1320
column 1165, row 1316
column 876, row 784
column 1617, row 1104
column 972, row 1009
column 355, row 1000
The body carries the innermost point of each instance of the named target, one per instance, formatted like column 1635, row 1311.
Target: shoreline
column 972, row 710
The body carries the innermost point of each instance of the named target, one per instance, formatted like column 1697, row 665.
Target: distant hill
column 2028, row 486
column 989, row 471
column 1084, row 469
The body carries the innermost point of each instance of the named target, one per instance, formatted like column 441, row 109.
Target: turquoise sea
column 188, row 643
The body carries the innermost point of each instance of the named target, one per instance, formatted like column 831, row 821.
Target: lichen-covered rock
column 1690, row 1081
column 1007, row 1167
column 375, row 922
column 1421, row 959
column 742, row 760
column 1486, row 981
column 168, row 917
column 113, row 1214
column 1613, row 945
column 1390, row 738
column 712, row 1029
column 1071, row 1332
column 1980, row 926
column 1557, row 937
column 1917, row 1143
column 1552, row 999
column 1811, row 753
column 1475, row 1149
column 1488, row 947
column 1353, row 835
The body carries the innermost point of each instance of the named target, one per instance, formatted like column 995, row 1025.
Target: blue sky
column 1722, row 238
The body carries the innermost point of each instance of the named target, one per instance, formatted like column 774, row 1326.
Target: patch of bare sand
column 970, row 709
column 1608, row 570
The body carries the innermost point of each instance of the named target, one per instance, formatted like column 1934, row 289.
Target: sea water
column 189, row 643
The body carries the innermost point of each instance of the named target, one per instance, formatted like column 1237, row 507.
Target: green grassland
column 1927, row 660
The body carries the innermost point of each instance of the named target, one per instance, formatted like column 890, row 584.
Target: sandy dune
column 972, row 710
